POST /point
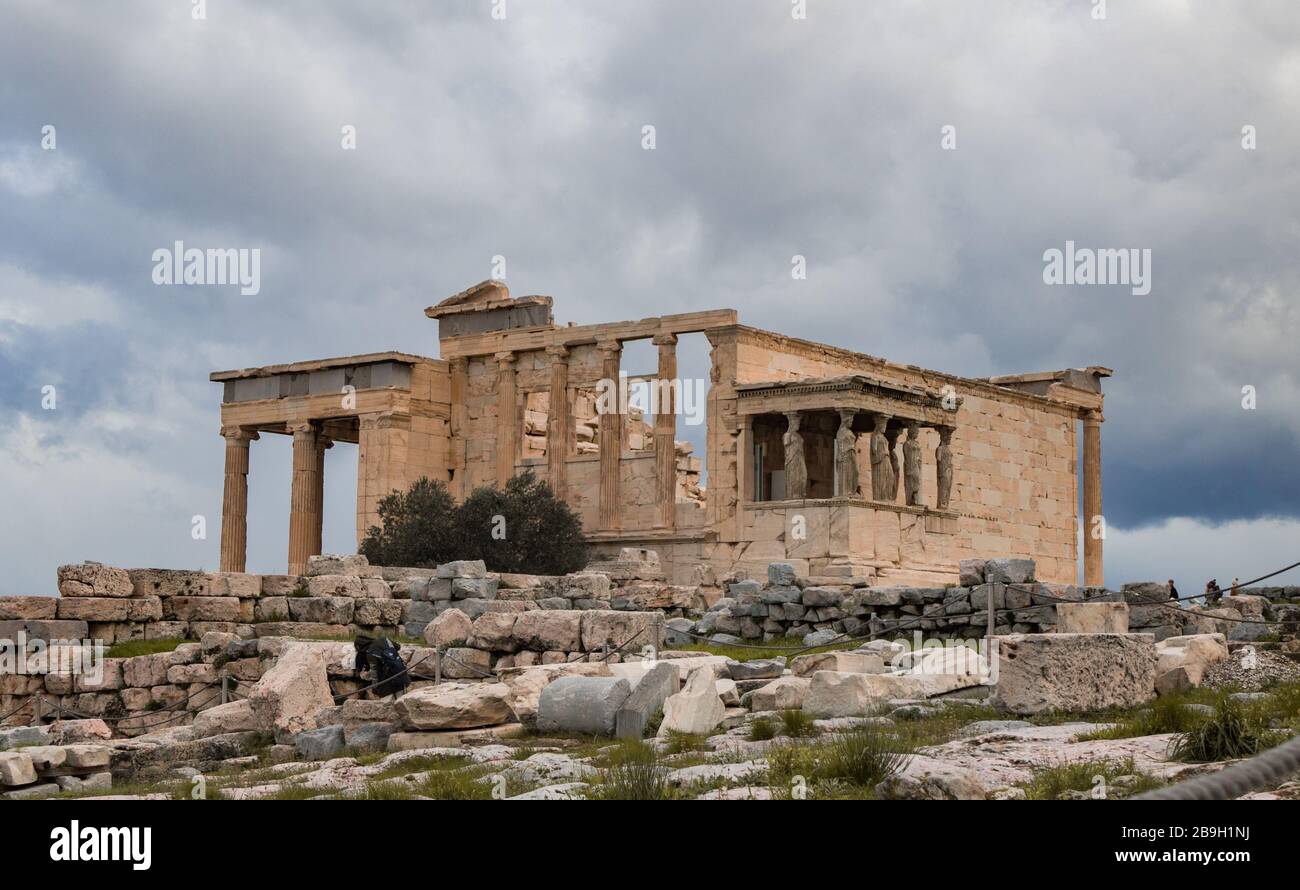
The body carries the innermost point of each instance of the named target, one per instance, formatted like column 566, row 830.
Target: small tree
column 524, row 528
column 417, row 527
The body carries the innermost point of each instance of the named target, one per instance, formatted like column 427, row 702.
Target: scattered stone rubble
column 504, row 666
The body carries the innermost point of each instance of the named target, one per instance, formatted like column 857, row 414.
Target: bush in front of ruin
column 418, row 527
column 522, row 528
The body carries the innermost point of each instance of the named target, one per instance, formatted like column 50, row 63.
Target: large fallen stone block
column 319, row 744
column 526, row 683
column 16, row 768
column 296, row 687
column 784, row 694
column 659, row 681
column 1181, row 662
column 235, row 716
column 758, row 669
column 836, row 694
column 844, row 662
column 1092, row 618
column 582, row 704
column 1038, row 673
column 697, row 709
column 455, row 706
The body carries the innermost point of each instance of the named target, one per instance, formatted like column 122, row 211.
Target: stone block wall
column 786, row 604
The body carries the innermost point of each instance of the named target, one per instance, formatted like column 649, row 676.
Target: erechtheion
column 843, row 463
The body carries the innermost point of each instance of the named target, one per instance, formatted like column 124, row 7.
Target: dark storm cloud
column 774, row 138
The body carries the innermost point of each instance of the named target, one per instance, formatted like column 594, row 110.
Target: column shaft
column 557, row 422
column 1093, row 524
column 304, row 517
column 507, row 417
column 611, row 439
column 234, row 503
column 666, row 432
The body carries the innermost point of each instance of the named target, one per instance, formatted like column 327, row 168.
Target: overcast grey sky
column 522, row 137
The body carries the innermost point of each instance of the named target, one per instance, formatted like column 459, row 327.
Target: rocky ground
column 944, row 749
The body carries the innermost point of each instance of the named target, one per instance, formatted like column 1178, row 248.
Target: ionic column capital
column 506, row 359
column 610, row 348
column 558, row 351
column 1094, row 418
column 302, row 429
column 664, row 339
column 239, row 434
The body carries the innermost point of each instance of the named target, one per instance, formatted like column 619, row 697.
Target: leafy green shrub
column 417, row 527
column 522, row 528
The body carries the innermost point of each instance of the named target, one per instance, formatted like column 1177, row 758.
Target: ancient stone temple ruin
column 845, row 464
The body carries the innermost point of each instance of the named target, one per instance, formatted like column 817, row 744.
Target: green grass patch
column 459, row 784
column 420, row 764
column 681, row 742
column 1166, row 714
column 132, row 648
column 1233, row 732
column 1104, row 779
column 761, row 729
column 634, row 773
column 797, row 724
column 846, row 765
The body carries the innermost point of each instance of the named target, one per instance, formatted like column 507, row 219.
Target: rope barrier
column 1264, row 770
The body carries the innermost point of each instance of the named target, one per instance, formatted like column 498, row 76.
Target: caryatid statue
column 943, row 465
column 846, row 456
column 796, row 471
column 891, row 437
column 883, row 484
column 912, row 467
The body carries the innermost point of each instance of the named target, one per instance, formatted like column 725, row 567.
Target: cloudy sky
column 521, row 136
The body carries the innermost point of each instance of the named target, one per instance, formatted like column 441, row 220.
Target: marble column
column 234, row 502
column 1094, row 528
column 318, row 494
column 665, row 426
column 611, row 438
column 507, row 418
column 558, row 422
column 459, row 416
column 304, row 517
